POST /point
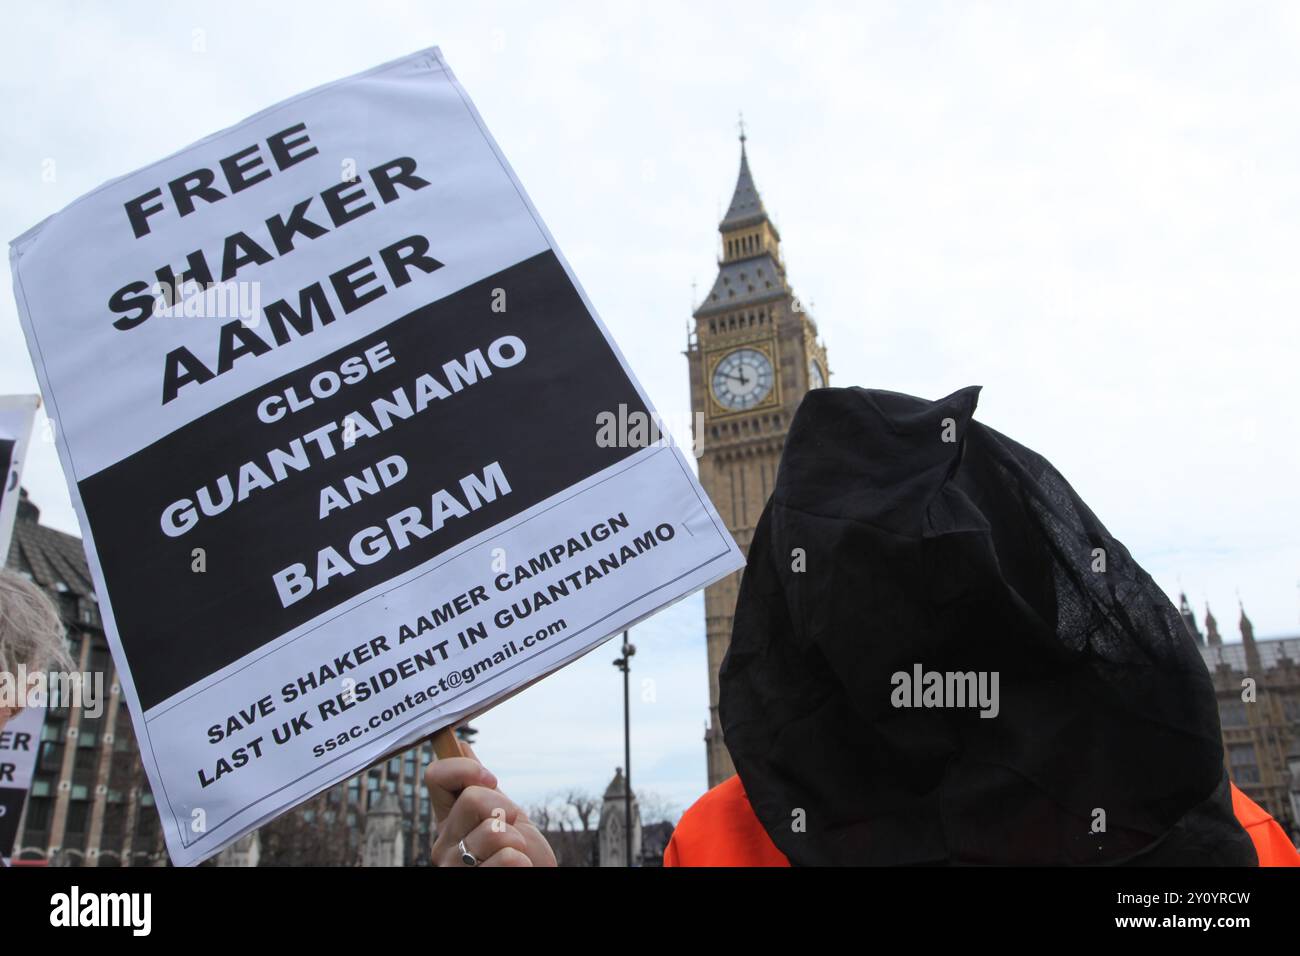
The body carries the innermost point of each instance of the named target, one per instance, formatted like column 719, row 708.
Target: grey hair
column 31, row 633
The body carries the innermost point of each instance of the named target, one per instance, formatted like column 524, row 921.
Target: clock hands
column 752, row 373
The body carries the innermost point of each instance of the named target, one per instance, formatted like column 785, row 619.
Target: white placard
column 20, row 743
column 371, row 465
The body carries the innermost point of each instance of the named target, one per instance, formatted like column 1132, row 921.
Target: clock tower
column 753, row 352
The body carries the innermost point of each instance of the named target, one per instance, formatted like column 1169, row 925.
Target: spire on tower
column 1189, row 619
column 1253, row 665
column 1211, row 628
column 750, row 270
column 746, row 205
column 746, row 209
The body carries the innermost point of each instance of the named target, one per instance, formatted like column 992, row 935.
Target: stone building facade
column 1258, row 686
column 90, row 803
column 615, row 809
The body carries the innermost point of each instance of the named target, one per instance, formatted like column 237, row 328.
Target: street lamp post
column 624, row 664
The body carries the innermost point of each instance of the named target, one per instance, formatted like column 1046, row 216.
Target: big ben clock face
column 742, row 379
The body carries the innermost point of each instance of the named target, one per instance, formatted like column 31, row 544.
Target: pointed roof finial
column 1189, row 618
column 746, row 207
column 1211, row 627
column 1253, row 663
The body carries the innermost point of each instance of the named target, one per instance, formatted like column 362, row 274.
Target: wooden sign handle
column 447, row 744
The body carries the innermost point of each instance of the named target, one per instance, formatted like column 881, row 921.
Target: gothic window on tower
column 1245, row 768
column 1232, row 713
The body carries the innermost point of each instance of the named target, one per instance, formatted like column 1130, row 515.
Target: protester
column 31, row 635
column 940, row 656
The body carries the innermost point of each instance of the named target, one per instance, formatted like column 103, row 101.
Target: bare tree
column 655, row 808
column 542, row 816
column 324, row 839
column 584, row 806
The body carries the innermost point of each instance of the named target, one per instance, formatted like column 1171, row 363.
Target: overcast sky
column 1091, row 210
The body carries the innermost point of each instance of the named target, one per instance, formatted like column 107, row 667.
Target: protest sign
column 16, row 415
column 20, row 742
column 334, row 414
column 20, row 737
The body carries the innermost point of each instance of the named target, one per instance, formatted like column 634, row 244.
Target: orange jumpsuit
column 720, row 829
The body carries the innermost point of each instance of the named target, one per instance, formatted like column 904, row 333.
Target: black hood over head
column 907, row 553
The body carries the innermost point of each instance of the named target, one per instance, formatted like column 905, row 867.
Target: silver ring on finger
column 466, row 857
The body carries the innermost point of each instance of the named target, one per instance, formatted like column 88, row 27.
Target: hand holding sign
column 478, row 825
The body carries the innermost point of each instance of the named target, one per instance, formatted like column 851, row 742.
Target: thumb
column 468, row 751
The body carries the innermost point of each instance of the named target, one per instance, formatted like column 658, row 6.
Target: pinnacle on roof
column 746, row 205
